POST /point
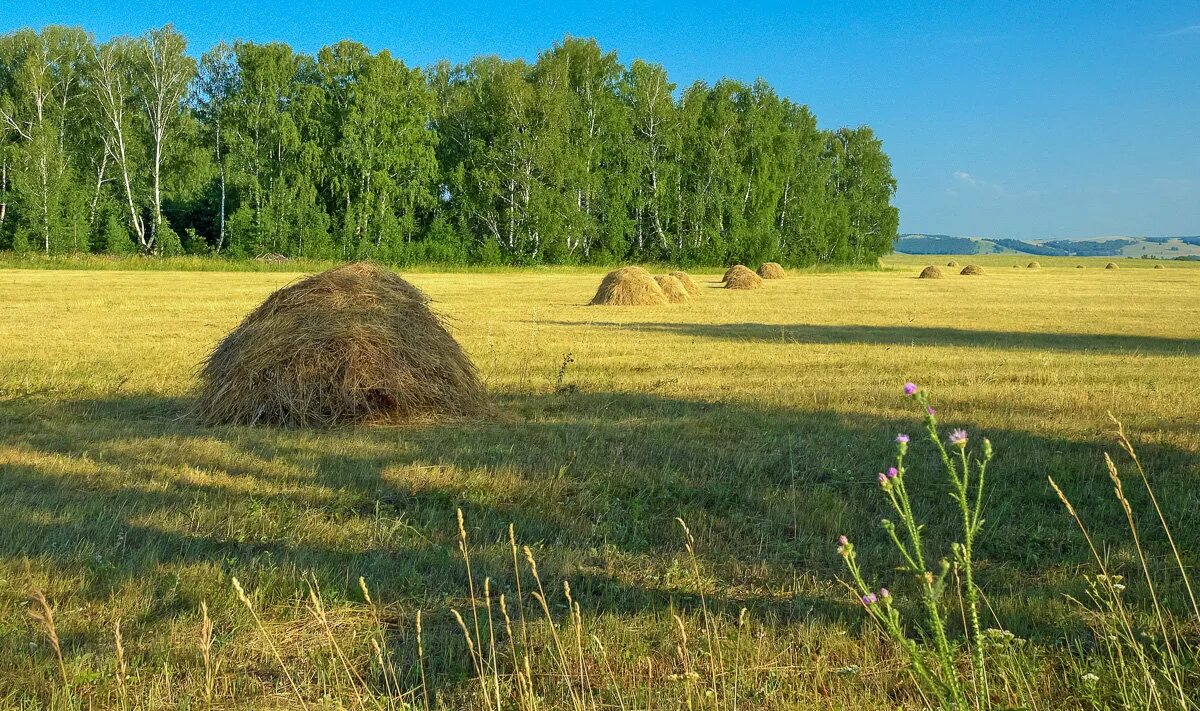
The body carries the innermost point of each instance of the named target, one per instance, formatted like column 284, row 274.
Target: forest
column 257, row 150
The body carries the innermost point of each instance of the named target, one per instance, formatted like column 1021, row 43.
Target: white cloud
column 965, row 177
column 1189, row 30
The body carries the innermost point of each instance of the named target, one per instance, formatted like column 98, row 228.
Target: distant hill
column 1117, row 246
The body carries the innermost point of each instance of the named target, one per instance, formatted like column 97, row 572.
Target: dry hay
column 672, row 288
column 930, row 272
column 771, row 270
column 1033, row 265
column 629, row 286
column 972, row 270
column 1111, row 265
column 693, row 289
column 740, row 277
column 1159, row 266
column 952, row 263
column 352, row 344
column 1079, row 266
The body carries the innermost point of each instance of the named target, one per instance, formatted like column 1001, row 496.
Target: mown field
column 759, row 418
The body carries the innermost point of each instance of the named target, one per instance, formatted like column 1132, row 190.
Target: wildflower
column 902, row 438
column 931, row 411
column 893, row 472
column 884, row 593
column 958, row 438
column 883, row 480
column 869, row 599
column 910, row 389
column 842, row 540
column 844, row 547
column 1090, row 678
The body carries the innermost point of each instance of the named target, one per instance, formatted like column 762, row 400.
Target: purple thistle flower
column 842, row 540
column 883, row 479
column 869, row 599
column 958, row 438
column 902, row 438
column 931, row 411
column 884, row 593
column 910, row 389
column 893, row 472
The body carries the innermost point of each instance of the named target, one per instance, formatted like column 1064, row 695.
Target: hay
column 1159, row 266
column 771, row 270
column 1033, row 265
column 1111, row 265
column 629, row 286
column 353, row 344
column 693, row 289
column 672, row 289
column 740, row 277
column 972, row 270
column 930, row 272
column 952, row 263
column 1079, row 266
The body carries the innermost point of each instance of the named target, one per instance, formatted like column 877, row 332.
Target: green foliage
column 574, row 159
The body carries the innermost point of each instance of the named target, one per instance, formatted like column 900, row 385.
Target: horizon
column 1035, row 123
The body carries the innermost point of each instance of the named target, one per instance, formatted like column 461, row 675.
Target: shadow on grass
column 109, row 491
column 908, row 335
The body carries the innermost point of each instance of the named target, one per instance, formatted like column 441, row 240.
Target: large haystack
column 671, row 287
column 1111, row 265
column 930, row 272
column 693, row 289
column 771, row 270
column 740, row 277
column 972, row 270
column 629, row 286
column 952, row 263
column 353, row 344
column 1033, row 265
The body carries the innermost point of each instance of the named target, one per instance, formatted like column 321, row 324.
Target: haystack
column 930, row 272
column 972, row 270
column 952, row 263
column 1111, row 265
column 693, row 289
column 1033, row 265
column 353, row 344
column 771, row 270
column 629, row 286
column 1079, row 266
column 1159, row 266
column 672, row 289
column 740, row 277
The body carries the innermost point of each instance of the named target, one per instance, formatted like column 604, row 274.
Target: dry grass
column 629, row 286
column 354, row 343
column 693, row 289
column 952, row 263
column 771, row 270
column 1111, row 265
column 759, row 421
column 930, row 272
column 673, row 289
column 740, row 277
column 972, row 270
column 1033, row 265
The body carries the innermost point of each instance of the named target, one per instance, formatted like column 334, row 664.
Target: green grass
column 759, row 418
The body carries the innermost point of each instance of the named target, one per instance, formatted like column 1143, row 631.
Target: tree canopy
column 132, row 145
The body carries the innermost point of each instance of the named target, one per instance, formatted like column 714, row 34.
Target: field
column 759, row 418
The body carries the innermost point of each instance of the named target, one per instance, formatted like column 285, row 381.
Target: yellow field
column 760, row 418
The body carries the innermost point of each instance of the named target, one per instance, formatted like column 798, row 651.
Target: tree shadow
column 908, row 335
column 592, row 481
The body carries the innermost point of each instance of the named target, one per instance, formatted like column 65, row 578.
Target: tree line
column 132, row 145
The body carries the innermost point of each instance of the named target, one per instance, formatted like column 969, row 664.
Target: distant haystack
column 972, row 270
column 352, row 344
column 693, row 289
column 672, row 288
column 1033, row 265
column 629, row 286
column 1079, row 266
column 1159, row 266
column 771, row 270
column 740, row 277
column 952, row 263
column 1111, row 265
column 930, row 272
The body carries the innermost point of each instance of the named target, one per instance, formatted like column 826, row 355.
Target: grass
column 758, row 418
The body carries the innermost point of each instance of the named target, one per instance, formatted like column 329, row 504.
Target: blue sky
column 1018, row 119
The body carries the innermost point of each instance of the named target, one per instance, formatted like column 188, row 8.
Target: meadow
column 758, row 418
